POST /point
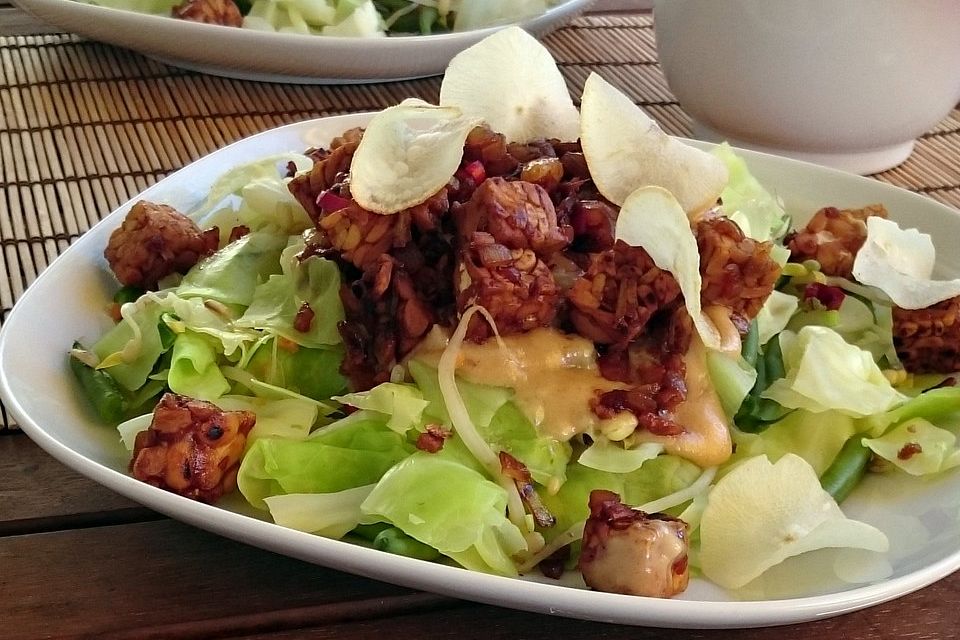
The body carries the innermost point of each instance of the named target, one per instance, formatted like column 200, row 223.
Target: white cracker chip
column 407, row 154
column 652, row 218
column 900, row 262
column 760, row 514
column 511, row 81
column 625, row 149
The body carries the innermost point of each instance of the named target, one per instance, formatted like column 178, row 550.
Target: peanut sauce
column 706, row 440
column 553, row 374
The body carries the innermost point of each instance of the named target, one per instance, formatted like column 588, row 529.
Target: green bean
column 428, row 16
column 395, row 541
column 100, row 389
column 846, row 470
column 750, row 348
column 773, row 360
column 370, row 531
column 167, row 335
column 757, row 413
column 127, row 294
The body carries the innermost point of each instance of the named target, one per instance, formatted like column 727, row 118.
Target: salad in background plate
column 519, row 337
column 343, row 18
column 266, row 55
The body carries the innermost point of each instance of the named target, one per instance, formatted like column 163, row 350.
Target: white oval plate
column 66, row 302
column 274, row 57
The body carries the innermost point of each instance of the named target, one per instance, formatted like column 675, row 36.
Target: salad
column 517, row 336
column 345, row 18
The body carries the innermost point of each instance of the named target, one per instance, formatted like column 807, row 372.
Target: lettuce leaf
column 276, row 303
column 129, row 429
column 290, row 418
column 775, row 314
column 732, row 377
column 917, row 447
column 545, row 457
column 363, row 20
column 939, row 406
column 501, row 423
column 745, row 201
column 131, row 348
column 482, row 401
column 236, row 181
column 314, row 373
column 266, row 203
column 332, row 515
column 824, row 372
column 232, row 274
column 450, row 507
column 193, row 368
column 856, row 321
column 332, row 460
column 658, row 477
column 815, row 437
column 195, row 315
column 400, row 405
column 603, row 455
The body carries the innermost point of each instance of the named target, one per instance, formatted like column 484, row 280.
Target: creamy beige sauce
column 706, row 439
column 554, row 375
column 730, row 341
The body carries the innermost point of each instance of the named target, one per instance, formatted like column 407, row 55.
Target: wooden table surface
column 77, row 560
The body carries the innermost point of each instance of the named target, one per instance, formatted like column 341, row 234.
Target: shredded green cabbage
column 362, row 18
column 808, row 383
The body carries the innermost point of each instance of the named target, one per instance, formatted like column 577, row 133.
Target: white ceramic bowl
column 849, row 83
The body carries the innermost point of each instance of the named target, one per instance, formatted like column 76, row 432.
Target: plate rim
column 533, row 596
column 66, row 12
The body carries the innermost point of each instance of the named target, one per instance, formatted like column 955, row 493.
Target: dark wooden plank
column 168, row 580
column 165, row 579
column 931, row 614
column 37, row 493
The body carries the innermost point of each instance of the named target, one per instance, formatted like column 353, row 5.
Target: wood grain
column 164, row 579
column 920, row 617
column 37, row 493
column 165, row 574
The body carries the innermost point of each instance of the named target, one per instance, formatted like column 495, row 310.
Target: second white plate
column 275, row 57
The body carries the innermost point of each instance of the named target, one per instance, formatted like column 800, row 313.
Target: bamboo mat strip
column 85, row 127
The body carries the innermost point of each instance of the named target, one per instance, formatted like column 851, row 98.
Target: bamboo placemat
column 85, row 127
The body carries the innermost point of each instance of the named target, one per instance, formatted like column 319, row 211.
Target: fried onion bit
column 518, row 472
